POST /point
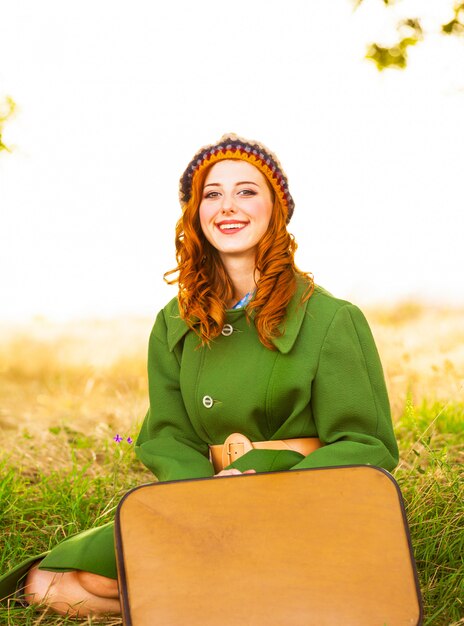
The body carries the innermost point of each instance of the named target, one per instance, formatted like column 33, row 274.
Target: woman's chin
column 237, row 251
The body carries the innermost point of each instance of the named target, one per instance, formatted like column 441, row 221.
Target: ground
column 68, row 389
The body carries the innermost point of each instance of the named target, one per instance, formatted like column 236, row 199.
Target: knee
column 98, row 585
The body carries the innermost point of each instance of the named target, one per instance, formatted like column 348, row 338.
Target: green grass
column 40, row 506
column 61, row 472
column 431, row 478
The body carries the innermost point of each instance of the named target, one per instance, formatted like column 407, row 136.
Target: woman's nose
column 227, row 204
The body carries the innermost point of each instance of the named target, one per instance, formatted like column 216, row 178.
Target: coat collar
column 290, row 328
column 291, row 325
column 177, row 328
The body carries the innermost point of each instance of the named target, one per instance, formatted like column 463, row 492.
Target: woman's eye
column 211, row 194
column 247, row 192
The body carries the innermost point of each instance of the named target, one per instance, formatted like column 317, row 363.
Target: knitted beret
column 230, row 146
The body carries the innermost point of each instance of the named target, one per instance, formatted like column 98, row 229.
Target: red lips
column 229, row 227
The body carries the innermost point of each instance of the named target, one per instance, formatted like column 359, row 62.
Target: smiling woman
column 251, row 368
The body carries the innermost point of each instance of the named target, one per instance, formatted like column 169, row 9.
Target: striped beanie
column 230, row 146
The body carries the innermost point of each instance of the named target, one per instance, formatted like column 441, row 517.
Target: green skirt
column 91, row 551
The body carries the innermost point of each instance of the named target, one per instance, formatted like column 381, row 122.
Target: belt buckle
column 235, row 446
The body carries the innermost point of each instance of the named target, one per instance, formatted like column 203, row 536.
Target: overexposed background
column 115, row 98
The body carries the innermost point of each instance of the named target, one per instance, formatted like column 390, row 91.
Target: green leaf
column 395, row 56
column 7, row 109
column 455, row 27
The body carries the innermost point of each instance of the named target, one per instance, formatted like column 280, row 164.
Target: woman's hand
column 234, row 472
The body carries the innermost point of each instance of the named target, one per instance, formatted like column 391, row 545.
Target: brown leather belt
column 236, row 445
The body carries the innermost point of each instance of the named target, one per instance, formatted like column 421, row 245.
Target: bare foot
column 68, row 593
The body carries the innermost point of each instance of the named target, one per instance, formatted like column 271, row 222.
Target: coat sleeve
column 349, row 398
column 167, row 443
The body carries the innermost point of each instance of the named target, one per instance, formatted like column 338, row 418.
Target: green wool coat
column 324, row 379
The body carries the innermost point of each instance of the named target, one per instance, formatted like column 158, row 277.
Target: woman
column 249, row 346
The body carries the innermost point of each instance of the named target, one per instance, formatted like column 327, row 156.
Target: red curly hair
column 205, row 287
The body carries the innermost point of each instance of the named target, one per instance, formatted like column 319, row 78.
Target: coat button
column 227, row 330
column 208, row 402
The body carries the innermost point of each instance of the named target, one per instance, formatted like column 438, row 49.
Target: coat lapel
column 176, row 327
column 291, row 325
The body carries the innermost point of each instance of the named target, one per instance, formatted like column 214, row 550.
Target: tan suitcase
column 297, row 548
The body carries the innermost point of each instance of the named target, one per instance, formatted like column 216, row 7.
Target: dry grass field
column 422, row 351
column 88, row 375
column 66, row 389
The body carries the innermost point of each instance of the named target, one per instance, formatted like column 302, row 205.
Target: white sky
column 115, row 98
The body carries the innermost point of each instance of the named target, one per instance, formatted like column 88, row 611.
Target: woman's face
column 236, row 207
